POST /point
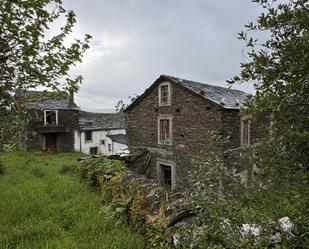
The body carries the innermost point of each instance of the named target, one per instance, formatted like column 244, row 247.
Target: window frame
column 165, row 117
column 45, row 116
column 85, row 137
column 94, row 147
column 170, row 164
column 168, row 103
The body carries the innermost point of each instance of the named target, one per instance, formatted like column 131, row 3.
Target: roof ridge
column 198, row 82
column 118, row 113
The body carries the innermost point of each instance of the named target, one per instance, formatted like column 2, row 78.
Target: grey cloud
column 137, row 40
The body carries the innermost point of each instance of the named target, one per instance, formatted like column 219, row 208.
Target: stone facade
column 64, row 132
column 192, row 116
column 52, row 119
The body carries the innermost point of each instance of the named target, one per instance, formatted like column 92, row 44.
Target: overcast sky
column 134, row 41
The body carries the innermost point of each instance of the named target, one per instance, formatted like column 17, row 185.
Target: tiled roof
column 225, row 97
column 101, row 121
column 47, row 100
column 119, row 138
column 52, row 104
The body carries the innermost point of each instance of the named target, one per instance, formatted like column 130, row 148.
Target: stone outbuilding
column 53, row 118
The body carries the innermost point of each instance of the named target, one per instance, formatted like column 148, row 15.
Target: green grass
column 42, row 205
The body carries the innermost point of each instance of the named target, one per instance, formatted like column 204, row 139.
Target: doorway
column 166, row 175
column 51, row 143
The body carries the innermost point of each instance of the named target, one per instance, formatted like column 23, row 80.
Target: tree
column 279, row 68
column 121, row 105
column 222, row 201
column 28, row 58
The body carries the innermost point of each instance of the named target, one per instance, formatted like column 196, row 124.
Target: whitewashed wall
column 97, row 136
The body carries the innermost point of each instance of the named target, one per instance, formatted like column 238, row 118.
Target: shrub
column 91, row 168
column 9, row 147
column 223, row 202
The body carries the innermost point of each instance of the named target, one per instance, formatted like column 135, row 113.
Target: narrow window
column 164, row 131
column 164, row 94
column 245, row 132
column 109, row 147
column 88, row 136
column 93, row 151
column 50, row 117
column 166, row 175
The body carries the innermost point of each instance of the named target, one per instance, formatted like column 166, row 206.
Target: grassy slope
column 42, row 208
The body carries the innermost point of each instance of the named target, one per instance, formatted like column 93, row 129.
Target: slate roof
column 102, row 121
column 48, row 100
column 225, row 97
column 52, row 104
column 119, row 138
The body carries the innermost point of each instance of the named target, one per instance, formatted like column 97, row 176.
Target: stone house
column 52, row 121
column 173, row 118
column 101, row 133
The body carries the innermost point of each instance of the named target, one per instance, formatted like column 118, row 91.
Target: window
column 245, row 133
column 109, row 147
column 164, row 130
column 164, row 94
column 166, row 174
column 51, row 117
column 93, row 151
column 88, row 136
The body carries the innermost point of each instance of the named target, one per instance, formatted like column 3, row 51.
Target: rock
column 250, row 229
column 286, row 224
column 276, row 238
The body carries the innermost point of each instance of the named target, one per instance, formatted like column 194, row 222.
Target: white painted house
column 101, row 133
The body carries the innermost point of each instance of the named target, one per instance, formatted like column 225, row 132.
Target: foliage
column 91, row 168
column 56, row 210
column 278, row 66
column 223, row 202
column 30, row 57
column 121, row 105
column 9, row 147
column 128, row 198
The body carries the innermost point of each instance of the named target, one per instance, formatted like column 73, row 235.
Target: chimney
column 71, row 98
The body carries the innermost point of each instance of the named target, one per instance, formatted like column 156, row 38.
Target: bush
column 9, row 147
column 91, row 168
column 223, row 202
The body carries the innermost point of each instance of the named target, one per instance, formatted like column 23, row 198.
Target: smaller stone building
column 53, row 118
column 173, row 120
column 101, row 133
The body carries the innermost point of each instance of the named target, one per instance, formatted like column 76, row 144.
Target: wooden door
column 51, row 143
